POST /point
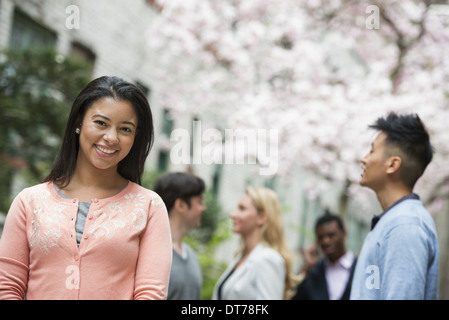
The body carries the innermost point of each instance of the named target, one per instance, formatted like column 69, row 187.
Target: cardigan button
column 76, row 257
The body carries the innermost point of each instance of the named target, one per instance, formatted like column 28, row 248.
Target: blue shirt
column 83, row 210
column 377, row 218
column 399, row 258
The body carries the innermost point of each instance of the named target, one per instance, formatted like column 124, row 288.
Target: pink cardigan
column 125, row 253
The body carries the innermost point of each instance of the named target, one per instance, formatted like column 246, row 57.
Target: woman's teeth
column 105, row 150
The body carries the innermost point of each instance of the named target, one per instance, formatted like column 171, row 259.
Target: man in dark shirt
column 330, row 278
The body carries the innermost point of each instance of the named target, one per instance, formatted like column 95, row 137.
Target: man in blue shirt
column 399, row 258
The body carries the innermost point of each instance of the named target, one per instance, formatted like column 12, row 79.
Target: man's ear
column 394, row 164
column 180, row 205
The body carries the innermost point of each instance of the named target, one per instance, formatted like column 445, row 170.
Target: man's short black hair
column 407, row 138
column 178, row 185
column 328, row 217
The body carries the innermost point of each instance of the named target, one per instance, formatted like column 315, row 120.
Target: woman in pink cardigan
column 90, row 231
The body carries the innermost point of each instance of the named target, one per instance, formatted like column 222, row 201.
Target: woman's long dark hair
column 132, row 166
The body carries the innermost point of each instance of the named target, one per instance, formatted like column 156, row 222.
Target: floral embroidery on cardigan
column 157, row 201
column 115, row 216
column 51, row 218
column 128, row 215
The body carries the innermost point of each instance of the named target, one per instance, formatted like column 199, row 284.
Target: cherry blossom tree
column 318, row 71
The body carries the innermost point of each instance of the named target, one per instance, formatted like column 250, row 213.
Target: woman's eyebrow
column 106, row 118
column 101, row 116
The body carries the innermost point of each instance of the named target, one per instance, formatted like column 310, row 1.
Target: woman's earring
column 77, row 130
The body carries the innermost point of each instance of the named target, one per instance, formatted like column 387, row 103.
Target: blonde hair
column 266, row 201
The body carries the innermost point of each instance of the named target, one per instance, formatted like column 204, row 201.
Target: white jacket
column 260, row 277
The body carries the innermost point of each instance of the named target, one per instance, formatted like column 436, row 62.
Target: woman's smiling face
column 245, row 217
column 107, row 133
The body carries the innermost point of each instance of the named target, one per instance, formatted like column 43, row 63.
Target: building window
column 164, row 152
column 195, row 133
column 27, row 33
column 79, row 52
column 216, row 178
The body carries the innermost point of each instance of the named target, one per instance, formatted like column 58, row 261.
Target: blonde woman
column 262, row 268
